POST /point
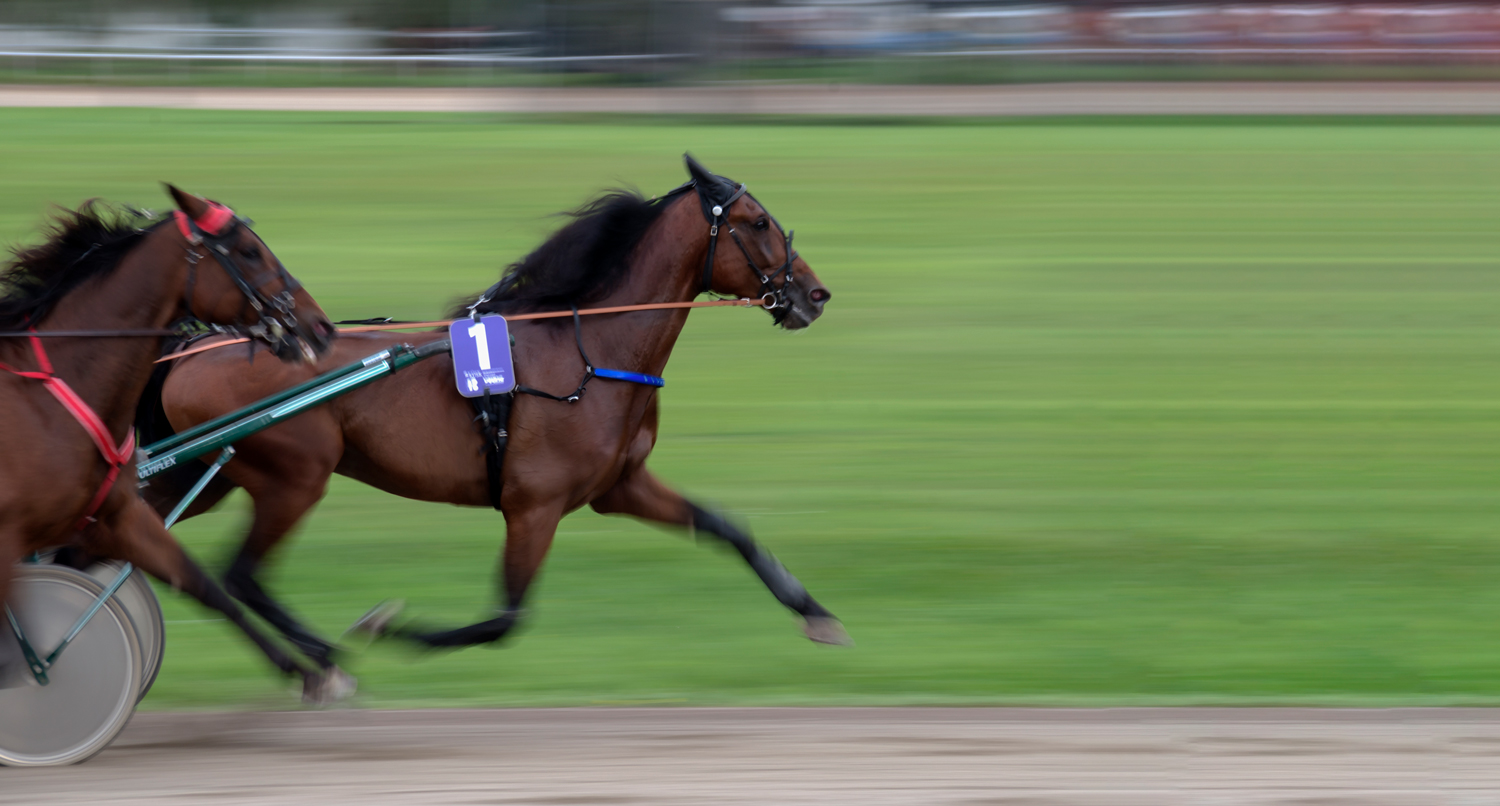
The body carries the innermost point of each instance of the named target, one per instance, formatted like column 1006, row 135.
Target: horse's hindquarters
column 93, row 686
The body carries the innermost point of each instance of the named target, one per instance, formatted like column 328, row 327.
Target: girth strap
column 494, row 424
column 114, row 455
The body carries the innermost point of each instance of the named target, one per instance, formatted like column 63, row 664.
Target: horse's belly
column 419, row 449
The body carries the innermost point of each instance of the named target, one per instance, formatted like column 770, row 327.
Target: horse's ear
column 710, row 184
column 703, row 176
column 194, row 206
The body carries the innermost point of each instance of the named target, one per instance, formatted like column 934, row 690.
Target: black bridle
column 716, row 213
column 216, row 231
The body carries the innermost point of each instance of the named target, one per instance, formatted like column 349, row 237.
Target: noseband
column 772, row 296
column 215, row 230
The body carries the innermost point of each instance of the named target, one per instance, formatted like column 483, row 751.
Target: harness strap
column 632, row 377
column 494, row 424
column 114, row 455
column 590, row 372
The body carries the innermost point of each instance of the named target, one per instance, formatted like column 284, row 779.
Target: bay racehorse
column 412, row 435
column 99, row 296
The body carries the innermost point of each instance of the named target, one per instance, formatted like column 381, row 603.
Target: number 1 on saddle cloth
column 481, row 356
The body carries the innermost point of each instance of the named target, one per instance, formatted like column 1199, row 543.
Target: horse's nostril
column 819, row 295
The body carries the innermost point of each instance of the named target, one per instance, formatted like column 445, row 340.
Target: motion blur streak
column 797, row 757
column 1161, row 372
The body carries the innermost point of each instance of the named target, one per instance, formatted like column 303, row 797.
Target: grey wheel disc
column 94, row 684
column 145, row 613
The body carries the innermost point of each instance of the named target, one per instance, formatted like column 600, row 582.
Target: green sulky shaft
column 224, row 431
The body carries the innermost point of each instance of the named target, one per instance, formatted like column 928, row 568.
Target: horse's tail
column 163, row 490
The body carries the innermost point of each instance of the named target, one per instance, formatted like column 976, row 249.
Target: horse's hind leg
column 277, row 511
column 642, row 495
column 135, row 534
column 285, row 470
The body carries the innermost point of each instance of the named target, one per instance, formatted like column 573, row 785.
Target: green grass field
column 1105, row 411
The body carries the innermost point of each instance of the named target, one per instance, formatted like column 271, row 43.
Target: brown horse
column 106, row 270
column 414, row 436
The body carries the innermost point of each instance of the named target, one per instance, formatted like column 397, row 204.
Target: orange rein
column 521, row 317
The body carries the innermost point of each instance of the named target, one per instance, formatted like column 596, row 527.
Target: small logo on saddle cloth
column 481, row 356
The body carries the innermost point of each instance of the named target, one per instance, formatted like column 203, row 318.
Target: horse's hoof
column 827, row 630
column 377, row 622
column 328, row 686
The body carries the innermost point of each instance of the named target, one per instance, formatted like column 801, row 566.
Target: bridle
column 213, row 230
column 716, row 213
column 216, row 231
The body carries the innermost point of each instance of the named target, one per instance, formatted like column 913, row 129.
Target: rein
column 102, row 334
column 520, row 317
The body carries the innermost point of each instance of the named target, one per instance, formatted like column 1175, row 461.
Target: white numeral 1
column 482, row 343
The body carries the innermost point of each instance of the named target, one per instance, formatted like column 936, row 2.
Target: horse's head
column 253, row 289
column 788, row 288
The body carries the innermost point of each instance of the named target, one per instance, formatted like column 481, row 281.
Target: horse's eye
column 762, row 224
column 249, row 252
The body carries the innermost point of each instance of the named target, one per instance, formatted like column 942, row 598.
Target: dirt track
column 871, row 757
column 1186, row 98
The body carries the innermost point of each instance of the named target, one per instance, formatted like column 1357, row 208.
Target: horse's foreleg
column 640, row 494
column 528, row 536
column 137, row 536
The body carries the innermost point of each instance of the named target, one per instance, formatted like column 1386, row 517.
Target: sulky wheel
column 94, row 684
column 145, row 613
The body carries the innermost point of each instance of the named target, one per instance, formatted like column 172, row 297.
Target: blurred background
column 654, row 41
column 1104, row 410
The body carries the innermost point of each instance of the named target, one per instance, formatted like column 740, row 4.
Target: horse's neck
column 144, row 292
column 666, row 267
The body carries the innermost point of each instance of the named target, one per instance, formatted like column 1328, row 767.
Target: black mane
column 581, row 263
column 81, row 244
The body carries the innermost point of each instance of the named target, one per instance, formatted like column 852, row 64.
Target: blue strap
column 632, row 377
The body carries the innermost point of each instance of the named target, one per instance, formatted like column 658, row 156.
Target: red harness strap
column 115, row 456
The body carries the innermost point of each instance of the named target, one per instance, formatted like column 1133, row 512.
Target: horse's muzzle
column 805, row 299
